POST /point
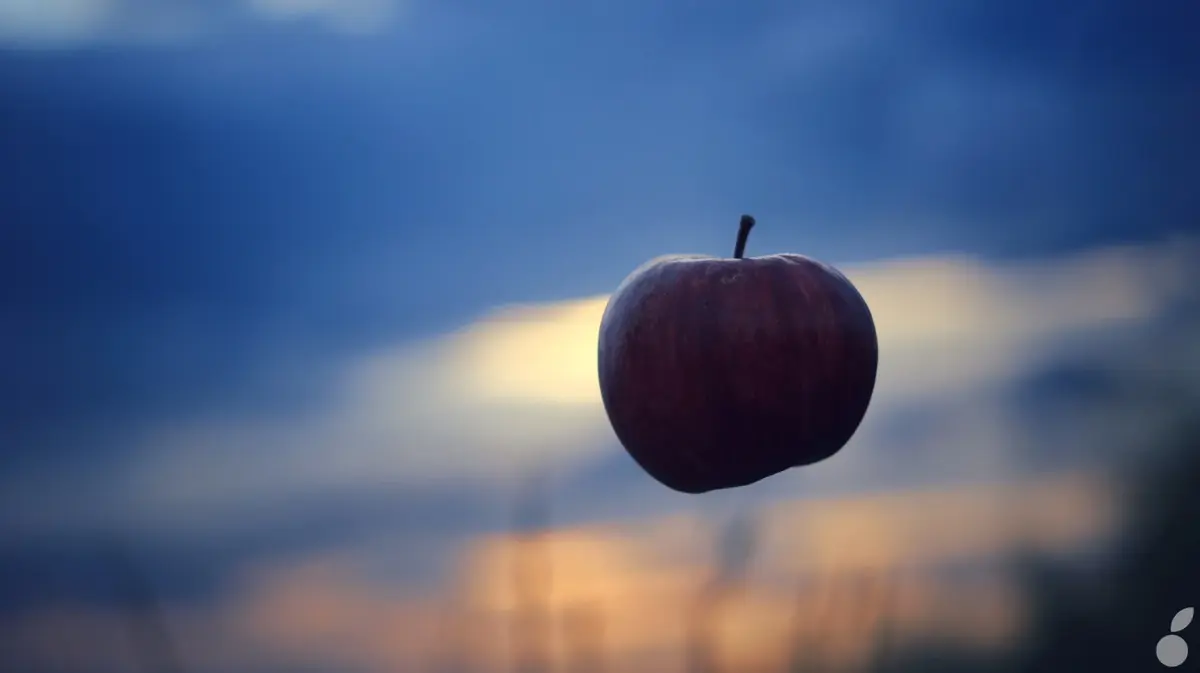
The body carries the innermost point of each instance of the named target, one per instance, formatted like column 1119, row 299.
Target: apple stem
column 744, row 227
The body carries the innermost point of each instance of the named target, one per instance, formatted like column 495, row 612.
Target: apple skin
column 718, row 373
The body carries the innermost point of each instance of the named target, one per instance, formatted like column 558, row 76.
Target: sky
column 293, row 288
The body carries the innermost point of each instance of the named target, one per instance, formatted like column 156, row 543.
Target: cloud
column 512, row 392
column 956, row 323
column 516, row 390
column 68, row 23
column 40, row 21
column 353, row 16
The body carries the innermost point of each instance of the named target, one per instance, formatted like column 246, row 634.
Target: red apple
column 717, row 373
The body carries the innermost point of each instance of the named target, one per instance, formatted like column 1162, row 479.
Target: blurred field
column 1039, row 575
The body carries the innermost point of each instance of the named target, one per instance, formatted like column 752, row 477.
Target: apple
column 718, row 373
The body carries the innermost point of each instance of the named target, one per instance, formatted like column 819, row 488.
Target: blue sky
column 231, row 227
column 271, row 179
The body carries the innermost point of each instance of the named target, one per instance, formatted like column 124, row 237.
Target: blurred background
column 299, row 303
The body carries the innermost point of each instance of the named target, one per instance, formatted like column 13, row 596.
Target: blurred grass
column 1108, row 620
